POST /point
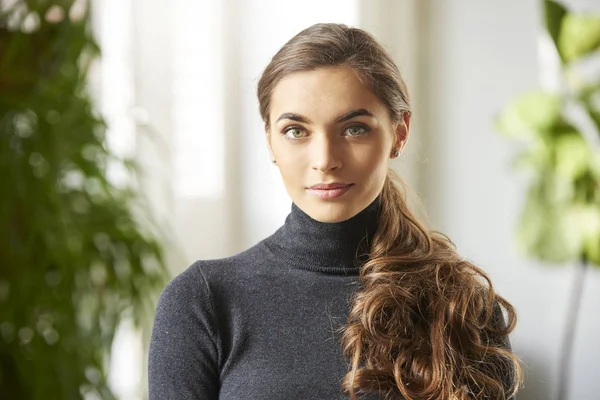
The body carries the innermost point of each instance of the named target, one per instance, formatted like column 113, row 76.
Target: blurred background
column 133, row 146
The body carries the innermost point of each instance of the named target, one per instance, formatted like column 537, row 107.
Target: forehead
column 323, row 94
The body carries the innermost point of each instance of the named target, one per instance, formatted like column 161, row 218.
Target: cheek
column 291, row 169
column 373, row 162
column 378, row 174
column 291, row 158
column 288, row 172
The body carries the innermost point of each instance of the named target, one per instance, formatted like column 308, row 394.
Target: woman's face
column 332, row 140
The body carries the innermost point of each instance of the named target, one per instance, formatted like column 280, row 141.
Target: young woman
column 352, row 296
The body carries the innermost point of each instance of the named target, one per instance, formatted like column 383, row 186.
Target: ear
column 402, row 131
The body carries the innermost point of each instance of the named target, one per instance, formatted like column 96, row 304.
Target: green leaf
column 573, row 155
column 595, row 165
column 579, row 35
column 530, row 115
column 538, row 157
column 553, row 15
column 592, row 250
column 548, row 230
column 588, row 222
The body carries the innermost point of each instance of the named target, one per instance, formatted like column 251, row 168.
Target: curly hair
column 425, row 323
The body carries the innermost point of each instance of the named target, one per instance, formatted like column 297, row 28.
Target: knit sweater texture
column 265, row 323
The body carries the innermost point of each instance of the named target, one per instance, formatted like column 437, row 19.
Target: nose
column 326, row 156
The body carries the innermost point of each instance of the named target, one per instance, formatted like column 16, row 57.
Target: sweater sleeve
column 183, row 356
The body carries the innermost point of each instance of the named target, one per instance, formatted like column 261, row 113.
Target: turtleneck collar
column 335, row 248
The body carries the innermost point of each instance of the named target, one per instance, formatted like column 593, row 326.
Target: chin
column 331, row 212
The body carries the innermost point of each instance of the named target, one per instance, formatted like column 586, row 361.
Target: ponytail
column 425, row 324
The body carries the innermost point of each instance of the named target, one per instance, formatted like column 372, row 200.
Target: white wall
column 476, row 56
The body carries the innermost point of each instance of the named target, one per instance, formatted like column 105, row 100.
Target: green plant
column 76, row 257
column 560, row 131
column 561, row 219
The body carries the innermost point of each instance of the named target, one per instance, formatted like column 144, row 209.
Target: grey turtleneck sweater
column 263, row 324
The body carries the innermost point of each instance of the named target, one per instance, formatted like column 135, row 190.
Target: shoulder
column 183, row 294
column 196, row 281
column 241, row 264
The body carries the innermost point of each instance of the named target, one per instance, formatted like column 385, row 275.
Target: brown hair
column 426, row 324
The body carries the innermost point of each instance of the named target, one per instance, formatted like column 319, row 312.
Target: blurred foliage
column 76, row 257
column 561, row 216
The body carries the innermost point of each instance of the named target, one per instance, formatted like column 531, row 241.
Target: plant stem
column 566, row 353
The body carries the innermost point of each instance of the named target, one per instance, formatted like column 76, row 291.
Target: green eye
column 355, row 130
column 294, row 133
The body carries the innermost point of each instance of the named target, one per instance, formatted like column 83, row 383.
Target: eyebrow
column 293, row 117
column 354, row 113
column 348, row 116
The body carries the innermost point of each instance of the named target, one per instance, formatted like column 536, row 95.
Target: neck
column 337, row 248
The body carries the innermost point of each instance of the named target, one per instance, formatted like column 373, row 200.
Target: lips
column 329, row 190
column 330, row 186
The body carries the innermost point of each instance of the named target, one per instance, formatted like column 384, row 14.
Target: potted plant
column 559, row 131
column 77, row 252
